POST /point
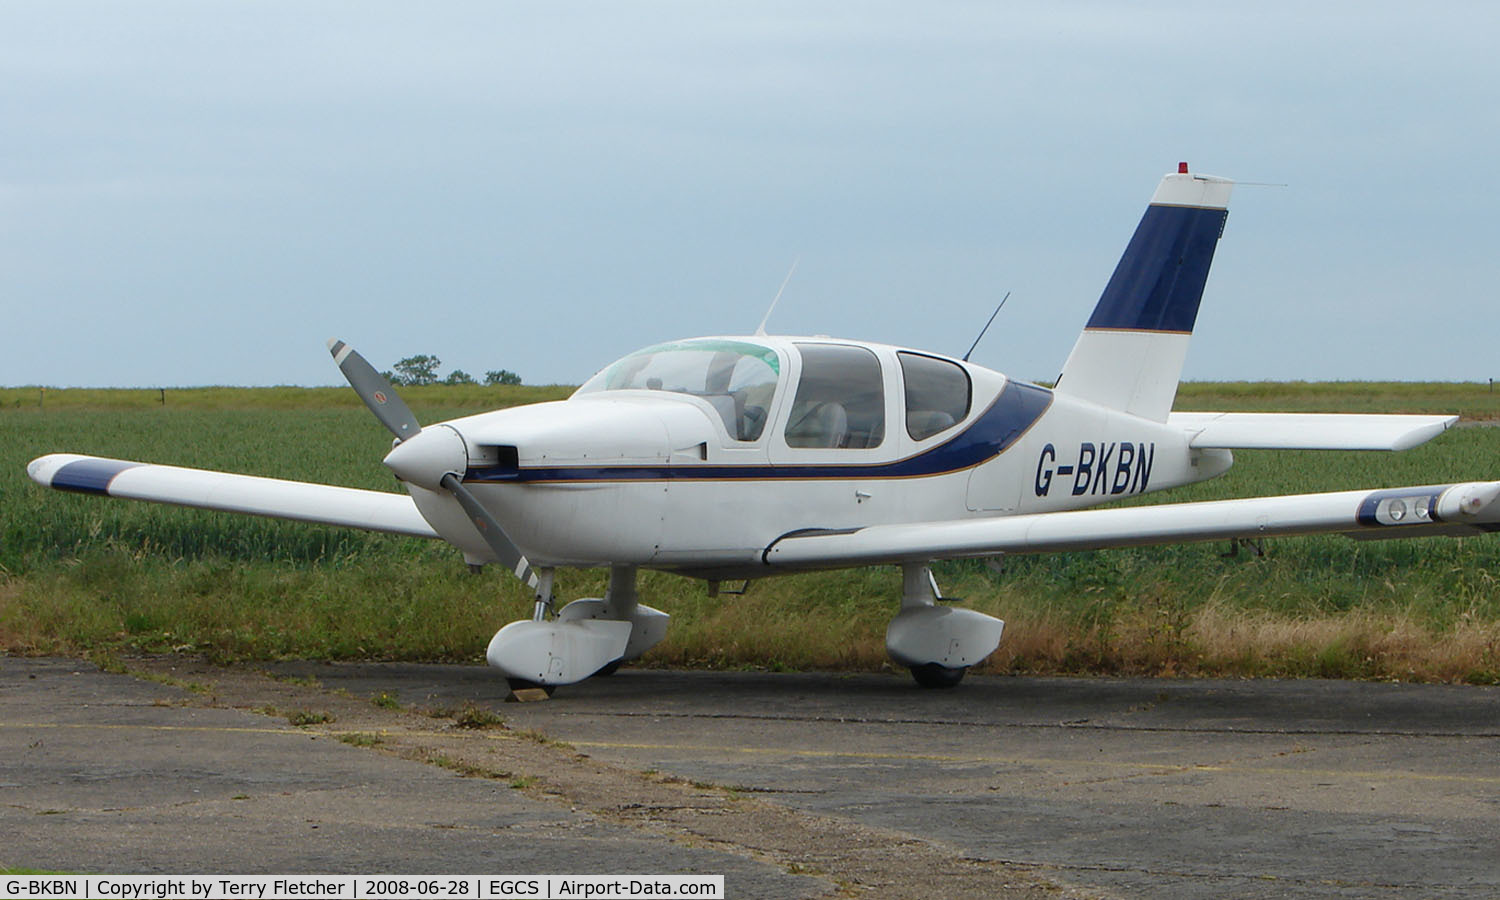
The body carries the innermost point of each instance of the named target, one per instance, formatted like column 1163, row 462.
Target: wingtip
column 43, row 468
column 1421, row 434
column 40, row 470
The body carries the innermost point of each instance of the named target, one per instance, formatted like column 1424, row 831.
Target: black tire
column 935, row 675
column 609, row 670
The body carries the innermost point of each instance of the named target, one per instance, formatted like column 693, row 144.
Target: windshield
column 737, row 378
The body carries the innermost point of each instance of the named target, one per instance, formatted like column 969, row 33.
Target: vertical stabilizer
column 1130, row 354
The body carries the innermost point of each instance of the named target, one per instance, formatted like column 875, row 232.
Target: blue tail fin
column 1130, row 354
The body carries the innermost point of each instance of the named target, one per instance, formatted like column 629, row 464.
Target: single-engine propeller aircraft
column 741, row 457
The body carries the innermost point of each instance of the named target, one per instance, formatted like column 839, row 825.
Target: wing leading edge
column 249, row 494
column 1448, row 509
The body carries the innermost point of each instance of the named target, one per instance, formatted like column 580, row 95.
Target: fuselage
column 697, row 455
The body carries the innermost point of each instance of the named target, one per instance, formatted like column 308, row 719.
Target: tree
column 459, row 376
column 420, row 369
column 501, row 376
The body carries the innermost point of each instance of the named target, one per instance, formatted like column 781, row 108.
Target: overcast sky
column 204, row 192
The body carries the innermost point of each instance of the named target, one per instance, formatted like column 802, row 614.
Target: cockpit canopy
column 839, row 401
column 737, row 378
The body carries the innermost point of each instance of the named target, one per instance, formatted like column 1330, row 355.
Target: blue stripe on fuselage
column 89, row 476
column 1159, row 280
column 998, row 427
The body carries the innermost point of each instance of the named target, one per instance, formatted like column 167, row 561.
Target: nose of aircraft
column 425, row 457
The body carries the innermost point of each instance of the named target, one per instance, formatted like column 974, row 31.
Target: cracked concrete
column 792, row 785
column 105, row 772
column 1134, row 787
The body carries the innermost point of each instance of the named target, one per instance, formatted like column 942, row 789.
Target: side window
column 938, row 394
column 740, row 388
column 840, row 399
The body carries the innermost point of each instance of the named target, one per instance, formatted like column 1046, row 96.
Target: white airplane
column 742, row 457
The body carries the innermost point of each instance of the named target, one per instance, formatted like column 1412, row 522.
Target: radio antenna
column 987, row 325
column 761, row 331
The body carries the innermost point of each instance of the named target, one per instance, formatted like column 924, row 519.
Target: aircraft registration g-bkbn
column 741, row 457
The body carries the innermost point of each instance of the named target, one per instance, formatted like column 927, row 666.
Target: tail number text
column 1103, row 468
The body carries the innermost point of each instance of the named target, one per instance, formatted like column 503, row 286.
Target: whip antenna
column 761, row 331
column 987, row 325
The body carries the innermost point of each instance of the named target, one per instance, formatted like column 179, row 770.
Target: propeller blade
column 372, row 388
column 509, row 554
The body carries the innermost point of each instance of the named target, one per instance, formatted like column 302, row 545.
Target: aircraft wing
column 1308, row 431
column 250, row 494
column 1449, row 509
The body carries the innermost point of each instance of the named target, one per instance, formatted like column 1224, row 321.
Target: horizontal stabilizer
column 1447, row 509
column 1308, row 431
column 249, row 494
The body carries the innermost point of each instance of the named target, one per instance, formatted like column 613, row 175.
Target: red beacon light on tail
column 1182, row 168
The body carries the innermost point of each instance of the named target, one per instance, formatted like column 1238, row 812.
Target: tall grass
column 82, row 574
column 1472, row 400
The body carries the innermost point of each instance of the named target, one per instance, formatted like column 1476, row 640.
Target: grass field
column 84, row 575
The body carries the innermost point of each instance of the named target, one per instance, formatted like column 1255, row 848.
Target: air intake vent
column 495, row 462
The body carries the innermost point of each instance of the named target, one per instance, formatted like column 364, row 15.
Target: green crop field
column 99, row 577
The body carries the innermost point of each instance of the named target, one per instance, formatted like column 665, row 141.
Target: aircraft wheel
column 608, row 670
column 934, row 675
column 520, row 684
